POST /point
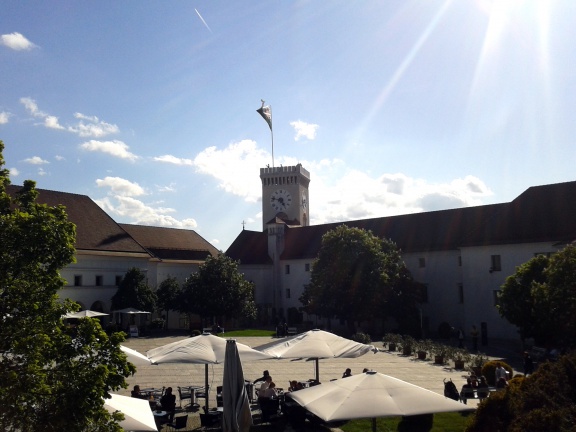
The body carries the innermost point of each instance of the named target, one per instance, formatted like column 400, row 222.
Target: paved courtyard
column 418, row 372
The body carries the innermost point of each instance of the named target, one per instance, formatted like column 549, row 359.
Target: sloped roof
column 95, row 230
column 171, row 243
column 541, row 213
column 250, row 247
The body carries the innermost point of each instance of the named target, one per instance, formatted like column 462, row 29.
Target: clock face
column 280, row 200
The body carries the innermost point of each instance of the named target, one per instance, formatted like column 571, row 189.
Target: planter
column 421, row 355
column 407, row 350
column 459, row 364
column 391, row 347
column 439, row 359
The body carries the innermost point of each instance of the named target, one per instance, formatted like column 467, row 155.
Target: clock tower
column 285, row 194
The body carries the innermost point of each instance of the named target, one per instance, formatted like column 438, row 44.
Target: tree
column 52, row 377
column 354, row 277
column 544, row 401
column 540, row 298
column 167, row 294
column 134, row 292
column 218, row 289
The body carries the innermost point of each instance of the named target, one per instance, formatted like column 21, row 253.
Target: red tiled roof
column 171, row 243
column 541, row 213
column 95, row 230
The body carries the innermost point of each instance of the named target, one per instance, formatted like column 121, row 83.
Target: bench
column 291, row 331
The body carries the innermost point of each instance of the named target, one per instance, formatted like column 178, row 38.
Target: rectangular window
column 287, row 293
column 117, row 280
column 421, row 262
column 307, row 267
column 495, row 262
column 496, row 297
column 287, row 268
column 77, row 280
column 459, row 261
column 460, row 293
column 99, row 280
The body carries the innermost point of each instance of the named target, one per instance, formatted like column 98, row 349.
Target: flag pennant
column 266, row 114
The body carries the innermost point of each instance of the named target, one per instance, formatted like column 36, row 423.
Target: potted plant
column 408, row 345
column 440, row 352
column 392, row 340
column 423, row 347
column 476, row 362
column 460, row 357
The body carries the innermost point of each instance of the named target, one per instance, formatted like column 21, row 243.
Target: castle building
column 463, row 255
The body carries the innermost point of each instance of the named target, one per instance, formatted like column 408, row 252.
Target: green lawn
column 443, row 422
column 248, row 333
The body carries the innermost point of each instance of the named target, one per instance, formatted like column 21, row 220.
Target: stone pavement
column 410, row 369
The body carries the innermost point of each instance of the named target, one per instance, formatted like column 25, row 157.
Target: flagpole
column 272, row 135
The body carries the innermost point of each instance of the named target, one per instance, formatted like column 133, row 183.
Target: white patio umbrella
column 316, row 344
column 137, row 413
column 237, row 416
column 203, row 349
column 131, row 311
column 134, row 357
column 84, row 314
column 372, row 395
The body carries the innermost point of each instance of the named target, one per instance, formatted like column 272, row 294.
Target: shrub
column 157, row 323
column 361, row 337
column 195, row 333
column 489, row 370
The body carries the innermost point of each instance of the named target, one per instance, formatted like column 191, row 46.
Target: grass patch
column 249, row 333
column 443, row 422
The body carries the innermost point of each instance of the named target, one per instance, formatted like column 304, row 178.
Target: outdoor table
column 192, row 390
column 159, row 413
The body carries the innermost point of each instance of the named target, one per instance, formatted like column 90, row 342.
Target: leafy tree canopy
column 52, row 377
column 540, row 298
column 218, row 289
column 134, row 292
column 356, row 275
column 544, row 401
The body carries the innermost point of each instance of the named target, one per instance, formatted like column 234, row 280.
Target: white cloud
column 42, row 171
column 169, row 188
column 230, row 165
column 121, row 187
column 59, row 158
column 173, row 160
column 4, row 117
column 13, row 172
column 88, row 126
column 50, row 121
column 16, row 41
column 115, row 148
column 137, row 212
column 36, row 160
column 303, row 129
column 92, row 126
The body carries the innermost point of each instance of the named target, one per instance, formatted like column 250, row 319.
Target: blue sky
column 394, row 107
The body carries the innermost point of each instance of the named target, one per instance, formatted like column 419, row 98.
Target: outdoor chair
column 179, row 423
column 210, row 421
column 184, row 394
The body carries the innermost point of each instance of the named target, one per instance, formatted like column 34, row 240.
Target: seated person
column 268, row 401
column 467, row 391
column 264, row 385
column 347, row 373
column 168, row 403
column 483, row 388
column 136, row 393
column 293, row 386
column 474, row 380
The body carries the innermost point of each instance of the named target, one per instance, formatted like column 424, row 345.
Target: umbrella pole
column 206, row 384
column 317, row 372
column 373, row 425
